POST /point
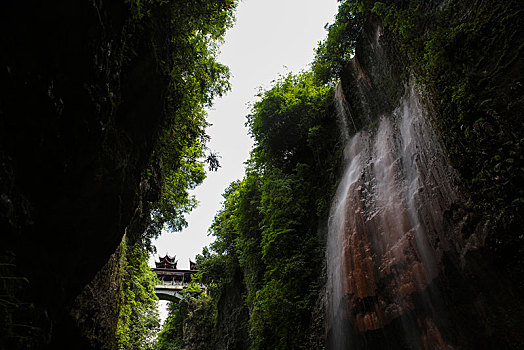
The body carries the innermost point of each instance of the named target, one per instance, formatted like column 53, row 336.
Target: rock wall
column 389, row 229
column 404, row 269
column 96, row 310
column 77, row 126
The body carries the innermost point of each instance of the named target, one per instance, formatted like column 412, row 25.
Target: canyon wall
column 78, row 124
column 409, row 259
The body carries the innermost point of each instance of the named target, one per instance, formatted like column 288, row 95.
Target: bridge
column 169, row 290
column 172, row 280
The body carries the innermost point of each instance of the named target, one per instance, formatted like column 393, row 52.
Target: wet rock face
column 403, row 267
column 73, row 144
column 387, row 225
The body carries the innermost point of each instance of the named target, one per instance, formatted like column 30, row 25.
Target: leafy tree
column 334, row 53
column 183, row 37
column 280, row 123
column 267, row 247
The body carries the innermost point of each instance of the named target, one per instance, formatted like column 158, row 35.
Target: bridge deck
column 169, row 290
column 172, row 282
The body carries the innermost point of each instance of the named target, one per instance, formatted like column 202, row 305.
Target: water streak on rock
column 387, row 230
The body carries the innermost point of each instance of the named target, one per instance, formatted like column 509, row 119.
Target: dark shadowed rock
column 78, row 119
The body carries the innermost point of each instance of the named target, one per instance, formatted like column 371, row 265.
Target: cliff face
column 410, row 263
column 95, row 312
column 390, row 229
column 77, row 125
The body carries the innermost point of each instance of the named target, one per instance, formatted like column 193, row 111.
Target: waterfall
column 337, row 246
column 386, row 229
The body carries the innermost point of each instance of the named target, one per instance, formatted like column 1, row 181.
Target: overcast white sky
column 270, row 37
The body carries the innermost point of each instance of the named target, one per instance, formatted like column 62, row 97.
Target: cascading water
column 386, row 230
column 337, row 247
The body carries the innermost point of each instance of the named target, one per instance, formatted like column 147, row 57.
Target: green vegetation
column 189, row 324
column 265, row 269
column 335, row 52
column 183, row 39
column 277, row 208
column 138, row 320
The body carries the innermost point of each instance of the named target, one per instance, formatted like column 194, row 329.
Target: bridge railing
column 173, row 283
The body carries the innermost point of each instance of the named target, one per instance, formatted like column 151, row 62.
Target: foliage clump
column 264, row 270
column 184, row 38
column 334, row 53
